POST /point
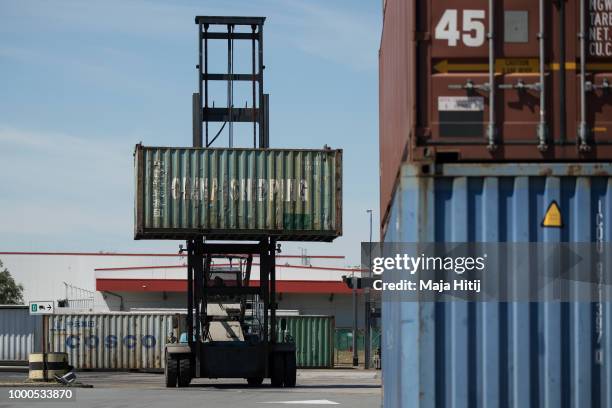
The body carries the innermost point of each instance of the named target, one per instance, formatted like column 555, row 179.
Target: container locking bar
column 520, row 85
column 583, row 133
column 470, row 86
column 491, row 132
column 542, row 130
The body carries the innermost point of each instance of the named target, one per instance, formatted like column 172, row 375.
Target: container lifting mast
column 253, row 356
column 203, row 113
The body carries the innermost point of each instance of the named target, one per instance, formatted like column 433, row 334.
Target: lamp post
column 366, row 319
column 355, row 356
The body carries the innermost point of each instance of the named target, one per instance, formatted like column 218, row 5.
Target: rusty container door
column 495, row 86
column 488, row 91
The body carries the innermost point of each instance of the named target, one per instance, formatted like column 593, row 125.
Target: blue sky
column 83, row 81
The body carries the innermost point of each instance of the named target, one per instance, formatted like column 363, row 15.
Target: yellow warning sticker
column 552, row 218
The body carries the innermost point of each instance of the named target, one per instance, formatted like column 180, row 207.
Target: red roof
column 180, row 285
column 277, row 266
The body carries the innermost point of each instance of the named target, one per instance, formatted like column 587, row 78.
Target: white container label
column 461, row 103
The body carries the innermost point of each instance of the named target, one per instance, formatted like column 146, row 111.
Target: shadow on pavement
column 298, row 386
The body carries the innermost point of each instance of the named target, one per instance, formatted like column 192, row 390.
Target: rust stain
column 546, row 172
column 574, row 170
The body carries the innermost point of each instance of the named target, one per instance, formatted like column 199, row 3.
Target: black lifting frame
column 203, row 113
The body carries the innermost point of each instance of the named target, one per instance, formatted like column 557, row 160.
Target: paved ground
column 350, row 388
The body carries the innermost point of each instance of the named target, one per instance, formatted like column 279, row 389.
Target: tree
column 11, row 293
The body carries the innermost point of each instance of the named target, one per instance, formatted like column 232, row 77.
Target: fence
column 344, row 344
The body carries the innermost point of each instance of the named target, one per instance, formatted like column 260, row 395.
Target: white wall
column 42, row 276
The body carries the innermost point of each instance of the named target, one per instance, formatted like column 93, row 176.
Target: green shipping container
column 344, row 339
column 238, row 194
column 314, row 340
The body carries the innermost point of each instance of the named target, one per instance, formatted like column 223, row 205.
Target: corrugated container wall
column 314, row 340
column 19, row 333
column 396, row 94
column 488, row 354
column 118, row 341
column 495, row 81
column 183, row 193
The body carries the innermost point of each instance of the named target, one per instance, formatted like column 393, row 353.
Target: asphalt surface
column 315, row 388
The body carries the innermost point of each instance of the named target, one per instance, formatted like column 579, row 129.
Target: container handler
column 222, row 340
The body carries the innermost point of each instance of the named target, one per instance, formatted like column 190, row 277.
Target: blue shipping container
column 19, row 333
column 495, row 354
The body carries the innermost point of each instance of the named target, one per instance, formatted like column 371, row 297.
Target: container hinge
column 583, row 137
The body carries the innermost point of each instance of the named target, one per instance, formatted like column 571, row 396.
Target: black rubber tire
column 277, row 370
column 290, row 370
column 184, row 372
column 171, row 372
column 255, row 381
